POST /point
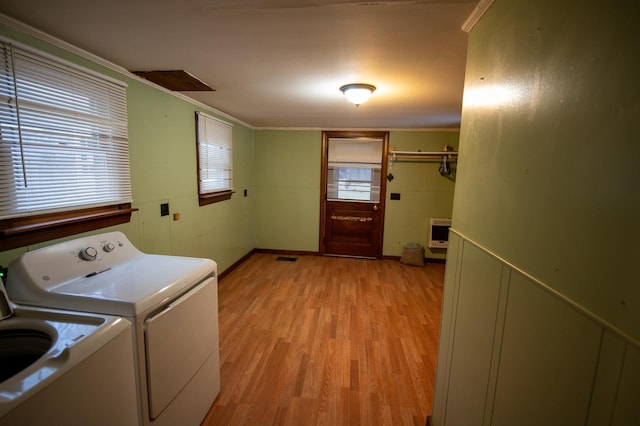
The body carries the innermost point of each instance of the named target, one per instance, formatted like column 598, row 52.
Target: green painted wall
column 549, row 149
column 162, row 153
column 287, row 183
column 424, row 193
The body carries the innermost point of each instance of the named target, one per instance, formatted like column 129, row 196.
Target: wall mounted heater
column 439, row 232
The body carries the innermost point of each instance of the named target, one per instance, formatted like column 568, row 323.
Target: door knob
column 375, row 207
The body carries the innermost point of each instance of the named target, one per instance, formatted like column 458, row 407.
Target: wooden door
column 353, row 193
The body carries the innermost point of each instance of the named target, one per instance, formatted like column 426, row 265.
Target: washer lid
column 75, row 336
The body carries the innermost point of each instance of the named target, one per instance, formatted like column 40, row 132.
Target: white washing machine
column 66, row 368
column 171, row 301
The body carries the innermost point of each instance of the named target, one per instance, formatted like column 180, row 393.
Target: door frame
column 352, row 134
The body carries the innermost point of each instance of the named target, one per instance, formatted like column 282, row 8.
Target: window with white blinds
column 354, row 169
column 63, row 136
column 215, row 168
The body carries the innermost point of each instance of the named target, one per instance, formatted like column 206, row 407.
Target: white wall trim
column 20, row 26
column 475, row 16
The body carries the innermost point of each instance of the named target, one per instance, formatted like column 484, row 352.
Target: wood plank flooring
column 327, row 341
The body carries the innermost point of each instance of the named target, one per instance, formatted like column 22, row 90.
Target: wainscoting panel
column 547, row 362
column 477, row 307
column 513, row 351
column 447, row 322
column 627, row 411
column 607, row 378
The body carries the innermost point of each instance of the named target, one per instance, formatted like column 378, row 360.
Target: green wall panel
column 549, row 149
column 287, row 179
column 424, row 193
column 287, row 185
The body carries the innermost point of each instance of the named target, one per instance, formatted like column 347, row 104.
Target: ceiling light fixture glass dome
column 358, row 93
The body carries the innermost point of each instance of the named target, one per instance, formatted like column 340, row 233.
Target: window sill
column 215, row 197
column 20, row 232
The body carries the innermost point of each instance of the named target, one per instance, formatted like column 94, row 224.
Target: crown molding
column 363, row 129
column 475, row 16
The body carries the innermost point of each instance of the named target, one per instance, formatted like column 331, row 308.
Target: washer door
column 179, row 339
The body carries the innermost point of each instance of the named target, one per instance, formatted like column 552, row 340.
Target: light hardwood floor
column 327, row 341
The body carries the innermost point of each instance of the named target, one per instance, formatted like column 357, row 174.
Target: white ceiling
column 280, row 63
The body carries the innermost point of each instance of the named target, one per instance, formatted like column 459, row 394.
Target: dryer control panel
column 83, row 257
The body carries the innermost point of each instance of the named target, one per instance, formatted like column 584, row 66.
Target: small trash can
column 413, row 254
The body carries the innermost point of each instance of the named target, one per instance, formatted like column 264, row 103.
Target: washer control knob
column 108, row 247
column 88, row 254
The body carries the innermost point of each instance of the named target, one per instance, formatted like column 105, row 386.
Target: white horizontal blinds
column 357, row 151
column 64, row 137
column 215, row 169
column 354, row 169
column 9, row 135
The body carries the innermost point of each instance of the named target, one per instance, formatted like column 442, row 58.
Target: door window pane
column 354, row 183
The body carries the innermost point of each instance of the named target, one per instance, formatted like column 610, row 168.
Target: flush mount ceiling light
column 358, row 93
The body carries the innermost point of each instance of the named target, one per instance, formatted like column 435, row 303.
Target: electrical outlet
column 164, row 209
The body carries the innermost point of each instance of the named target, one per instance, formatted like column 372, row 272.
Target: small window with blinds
column 64, row 156
column 214, row 148
column 354, row 169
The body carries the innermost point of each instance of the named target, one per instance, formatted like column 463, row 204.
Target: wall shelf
column 422, row 155
column 444, row 157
